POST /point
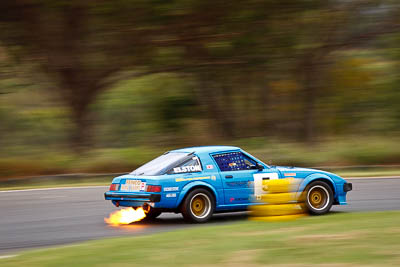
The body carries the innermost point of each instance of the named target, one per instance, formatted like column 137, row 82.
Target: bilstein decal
column 175, row 188
column 191, row 179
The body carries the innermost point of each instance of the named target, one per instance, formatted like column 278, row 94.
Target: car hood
column 302, row 172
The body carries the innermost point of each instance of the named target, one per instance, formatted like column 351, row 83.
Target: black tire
column 198, row 206
column 318, row 198
column 152, row 214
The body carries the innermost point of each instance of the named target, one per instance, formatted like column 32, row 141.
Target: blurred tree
column 330, row 26
column 81, row 46
column 261, row 66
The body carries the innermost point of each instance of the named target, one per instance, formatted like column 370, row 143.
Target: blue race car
column 200, row 181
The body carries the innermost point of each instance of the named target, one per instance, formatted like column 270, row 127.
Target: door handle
column 228, row 176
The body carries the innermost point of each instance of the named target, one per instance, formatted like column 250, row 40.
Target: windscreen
column 159, row 165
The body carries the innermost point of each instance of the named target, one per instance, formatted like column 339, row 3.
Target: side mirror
column 259, row 166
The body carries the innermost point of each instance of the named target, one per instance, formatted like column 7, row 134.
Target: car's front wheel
column 318, row 198
column 198, row 206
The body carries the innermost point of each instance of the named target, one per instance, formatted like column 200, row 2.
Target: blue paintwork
column 230, row 193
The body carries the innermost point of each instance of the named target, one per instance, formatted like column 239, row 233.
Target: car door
column 237, row 177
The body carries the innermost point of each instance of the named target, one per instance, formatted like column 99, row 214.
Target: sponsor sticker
column 133, row 185
column 210, row 167
column 191, row 179
column 142, row 186
column 175, row 188
column 258, row 182
column 290, row 174
column 171, row 195
column 213, row 178
column 193, row 168
column 237, row 184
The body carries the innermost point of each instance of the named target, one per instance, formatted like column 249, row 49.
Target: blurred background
column 103, row 86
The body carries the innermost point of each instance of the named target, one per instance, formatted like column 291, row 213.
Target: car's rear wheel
column 198, row 206
column 318, row 198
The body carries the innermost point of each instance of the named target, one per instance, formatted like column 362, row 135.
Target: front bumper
column 132, row 197
column 347, row 187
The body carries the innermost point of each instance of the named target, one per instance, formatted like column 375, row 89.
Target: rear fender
column 192, row 185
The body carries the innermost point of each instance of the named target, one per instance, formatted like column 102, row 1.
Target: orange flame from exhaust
column 125, row 216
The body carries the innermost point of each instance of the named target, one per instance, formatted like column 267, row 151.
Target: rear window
column 161, row 164
column 191, row 165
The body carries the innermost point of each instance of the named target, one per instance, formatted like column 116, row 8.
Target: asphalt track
column 47, row 217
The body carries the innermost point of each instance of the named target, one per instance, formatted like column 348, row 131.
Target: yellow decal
column 191, row 179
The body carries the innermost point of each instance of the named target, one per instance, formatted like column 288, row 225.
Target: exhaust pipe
column 146, row 207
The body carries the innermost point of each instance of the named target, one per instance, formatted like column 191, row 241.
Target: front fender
column 315, row 176
column 191, row 185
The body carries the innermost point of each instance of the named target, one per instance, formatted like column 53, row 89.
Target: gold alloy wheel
column 200, row 205
column 318, row 197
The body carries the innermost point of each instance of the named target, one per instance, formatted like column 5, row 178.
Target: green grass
column 50, row 185
column 373, row 172
column 22, row 162
column 49, row 182
column 336, row 152
column 370, row 239
column 364, row 151
column 43, row 162
column 105, row 180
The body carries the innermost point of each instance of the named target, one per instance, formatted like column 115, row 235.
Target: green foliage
column 336, row 152
column 345, row 151
column 156, row 74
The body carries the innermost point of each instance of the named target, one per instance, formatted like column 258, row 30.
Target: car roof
column 206, row 149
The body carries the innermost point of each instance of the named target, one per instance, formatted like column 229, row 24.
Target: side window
column 235, row 161
column 250, row 163
column 191, row 165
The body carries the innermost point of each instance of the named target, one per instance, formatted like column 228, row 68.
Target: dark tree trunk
column 310, row 90
column 227, row 112
column 267, row 125
column 82, row 126
column 209, row 96
column 309, row 123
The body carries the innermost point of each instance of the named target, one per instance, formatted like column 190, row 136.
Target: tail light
column 114, row 187
column 153, row 188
